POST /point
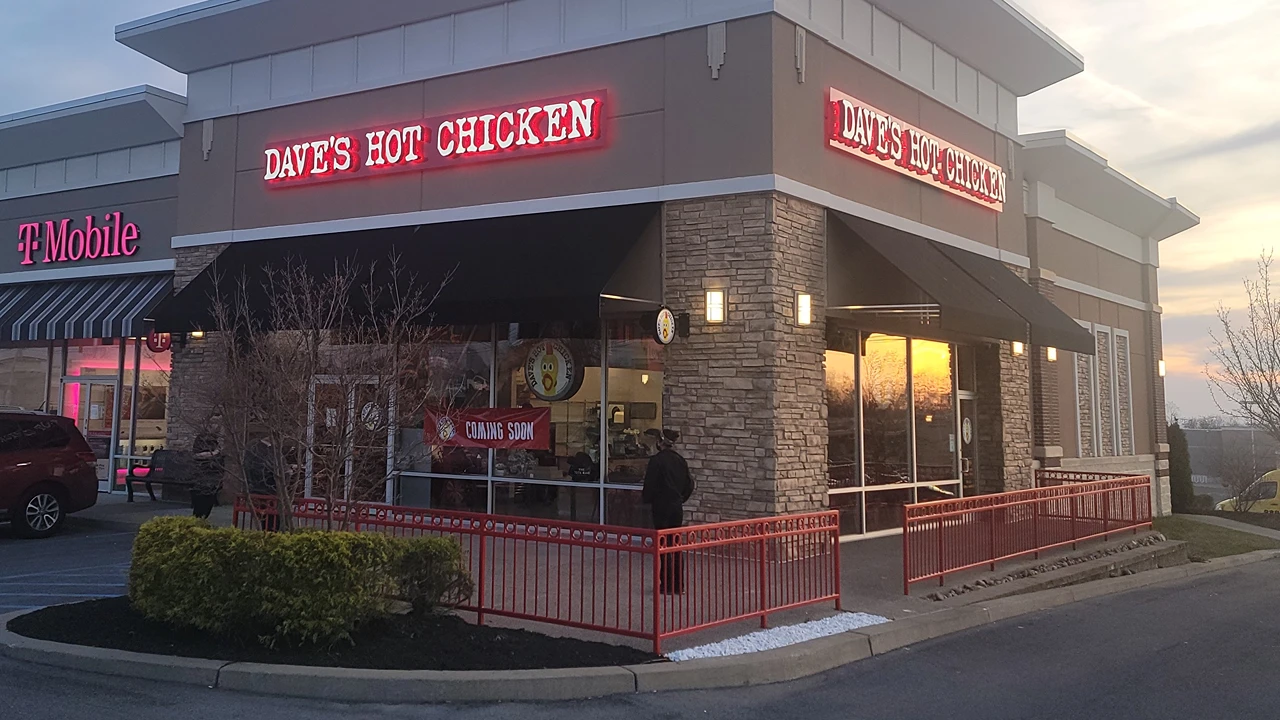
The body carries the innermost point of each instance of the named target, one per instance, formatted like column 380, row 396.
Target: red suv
column 47, row 471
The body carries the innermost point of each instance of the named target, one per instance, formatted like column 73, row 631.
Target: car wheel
column 39, row 513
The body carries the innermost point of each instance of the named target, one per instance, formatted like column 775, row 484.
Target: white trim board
column 1101, row 294
column 89, row 271
column 663, row 193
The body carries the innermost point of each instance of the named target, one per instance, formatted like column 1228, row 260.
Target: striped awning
column 109, row 307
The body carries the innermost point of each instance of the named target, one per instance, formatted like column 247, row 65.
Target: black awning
column 898, row 268
column 530, row 268
column 109, row 307
column 1050, row 326
column 883, row 267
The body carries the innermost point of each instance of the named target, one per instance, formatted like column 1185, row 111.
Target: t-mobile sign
column 503, row 133
column 63, row 241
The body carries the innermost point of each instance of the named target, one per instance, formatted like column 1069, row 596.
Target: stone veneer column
column 1004, row 416
column 748, row 395
column 1045, row 411
column 195, row 361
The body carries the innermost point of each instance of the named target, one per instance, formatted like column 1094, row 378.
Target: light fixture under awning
column 873, row 268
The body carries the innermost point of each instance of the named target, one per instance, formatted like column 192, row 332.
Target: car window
column 33, row 434
column 1264, row 491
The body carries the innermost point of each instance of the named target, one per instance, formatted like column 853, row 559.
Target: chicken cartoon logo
column 550, row 367
column 550, row 371
column 445, row 429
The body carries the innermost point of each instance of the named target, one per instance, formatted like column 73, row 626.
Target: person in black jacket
column 667, row 487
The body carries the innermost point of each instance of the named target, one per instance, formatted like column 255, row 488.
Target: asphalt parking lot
column 86, row 560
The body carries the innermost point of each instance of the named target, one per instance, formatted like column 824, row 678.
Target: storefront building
column 88, row 205
column 871, row 303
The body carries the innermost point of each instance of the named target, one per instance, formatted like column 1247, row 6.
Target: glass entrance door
column 91, row 402
column 969, row 445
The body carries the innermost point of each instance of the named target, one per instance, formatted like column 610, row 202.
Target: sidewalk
column 1233, row 525
column 114, row 511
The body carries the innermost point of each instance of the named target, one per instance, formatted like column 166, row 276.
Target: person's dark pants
column 670, row 566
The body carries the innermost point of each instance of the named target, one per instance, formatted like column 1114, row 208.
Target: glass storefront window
column 843, row 426
column 634, row 409
column 458, row 375
column 886, row 436
column 557, row 366
column 895, row 403
column 23, row 376
column 935, row 417
column 563, row 375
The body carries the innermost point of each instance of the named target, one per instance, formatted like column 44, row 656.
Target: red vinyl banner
column 498, row 428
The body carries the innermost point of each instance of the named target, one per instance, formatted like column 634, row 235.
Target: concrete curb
column 425, row 686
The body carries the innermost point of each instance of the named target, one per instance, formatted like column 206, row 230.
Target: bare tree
column 1246, row 378
column 319, row 374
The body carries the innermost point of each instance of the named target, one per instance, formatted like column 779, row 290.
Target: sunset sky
column 1177, row 93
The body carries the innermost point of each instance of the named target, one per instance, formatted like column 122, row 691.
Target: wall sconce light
column 1161, row 368
column 1018, row 348
column 644, row 379
column 928, row 418
column 804, row 309
column 197, row 334
column 715, row 306
column 1051, row 354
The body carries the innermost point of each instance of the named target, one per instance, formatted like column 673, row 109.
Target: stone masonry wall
column 1106, row 400
column 1084, row 407
column 1004, row 416
column 748, row 394
column 196, row 362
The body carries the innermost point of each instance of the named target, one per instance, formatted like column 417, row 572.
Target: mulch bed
column 431, row 642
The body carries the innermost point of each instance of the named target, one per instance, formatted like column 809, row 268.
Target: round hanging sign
column 551, row 371
column 966, row 431
column 159, row 342
column 664, row 330
column 371, row 415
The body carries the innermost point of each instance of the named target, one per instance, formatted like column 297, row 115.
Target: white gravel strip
column 779, row 636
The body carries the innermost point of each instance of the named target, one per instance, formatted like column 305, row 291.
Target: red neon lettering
column 320, row 157
column 556, row 131
column 584, row 118
column 467, row 135
column 27, row 235
column 447, row 130
column 528, row 134
column 516, row 130
column 506, row 138
column 486, row 125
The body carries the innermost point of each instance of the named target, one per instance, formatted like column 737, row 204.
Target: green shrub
column 432, row 573
column 302, row 588
column 1204, row 503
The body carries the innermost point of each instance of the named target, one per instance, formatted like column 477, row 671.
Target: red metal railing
column 610, row 579
column 1055, row 477
column 950, row 536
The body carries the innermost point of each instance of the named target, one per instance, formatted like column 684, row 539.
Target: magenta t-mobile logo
column 114, row 238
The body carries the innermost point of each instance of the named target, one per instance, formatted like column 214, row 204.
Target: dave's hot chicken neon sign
column 861, row 130
column 529, row 129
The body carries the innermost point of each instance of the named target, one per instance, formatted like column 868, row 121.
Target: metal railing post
column 1074, row 533
column 764, row 579
column 657, row 596
column 835, row 540
column 906, row 552
column 993, row 540
column 482, row 574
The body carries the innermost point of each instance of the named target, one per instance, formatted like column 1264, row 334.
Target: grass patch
column 1205, row 542
column 1271, row 521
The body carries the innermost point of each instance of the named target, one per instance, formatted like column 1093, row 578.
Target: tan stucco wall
column 801, row 153
column 669, row 123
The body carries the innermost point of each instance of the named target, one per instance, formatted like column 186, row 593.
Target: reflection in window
column 843, row 407
column 935, row 418
column 884, row 404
